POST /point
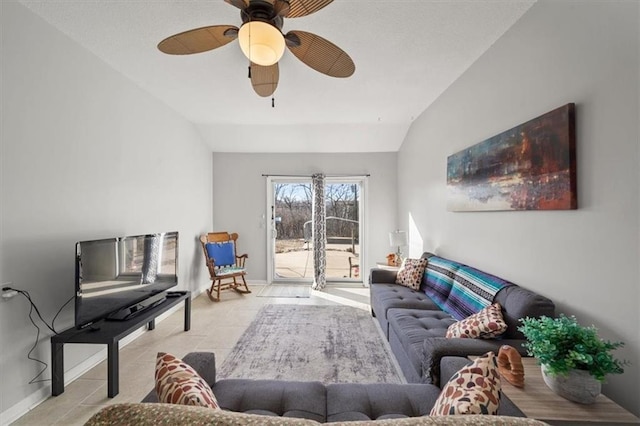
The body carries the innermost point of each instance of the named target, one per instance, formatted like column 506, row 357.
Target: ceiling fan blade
column 265, row 79
column 240, row 4
column 281, row 7
column 320, row 54
column 198, row 40
column 298, row 8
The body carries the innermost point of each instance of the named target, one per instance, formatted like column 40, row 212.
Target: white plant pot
column 578, row 386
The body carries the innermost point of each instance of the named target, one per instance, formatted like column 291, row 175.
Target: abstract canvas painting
column 530, row 167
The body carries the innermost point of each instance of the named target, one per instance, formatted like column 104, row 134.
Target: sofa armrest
column 205, row 365
column 435, row 348
column 203, row 362
column 518, row 302
column 382, row 276
column 450, row 365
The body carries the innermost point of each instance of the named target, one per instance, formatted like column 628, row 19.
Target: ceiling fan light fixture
column 261, row 42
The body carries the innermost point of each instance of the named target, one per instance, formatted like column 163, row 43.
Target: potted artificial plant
column 574, row 360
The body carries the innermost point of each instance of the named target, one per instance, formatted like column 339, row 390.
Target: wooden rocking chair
column 225, row 266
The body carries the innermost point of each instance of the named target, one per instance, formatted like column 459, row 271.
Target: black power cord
column 51, row 327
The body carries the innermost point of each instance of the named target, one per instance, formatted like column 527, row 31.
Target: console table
column 110, row 333
column 536, row 400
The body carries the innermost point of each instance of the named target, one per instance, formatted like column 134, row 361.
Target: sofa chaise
column 416, row 321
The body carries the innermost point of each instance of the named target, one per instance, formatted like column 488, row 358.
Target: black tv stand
column 137, row 309
column 110, row 333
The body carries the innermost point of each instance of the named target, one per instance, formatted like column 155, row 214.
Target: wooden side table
column 383, row 265
column 537, row 401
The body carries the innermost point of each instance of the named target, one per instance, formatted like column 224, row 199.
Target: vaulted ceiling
column 407, row 52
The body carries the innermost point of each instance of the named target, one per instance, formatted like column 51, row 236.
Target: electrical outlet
column 7, row 292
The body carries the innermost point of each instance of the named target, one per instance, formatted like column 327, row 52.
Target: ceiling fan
column 262, row 41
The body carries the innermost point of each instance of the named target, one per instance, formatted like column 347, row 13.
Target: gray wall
column 85, row 155
column 585, row 260
column 240, row 196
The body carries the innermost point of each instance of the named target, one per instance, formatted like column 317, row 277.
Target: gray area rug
column 276, row 290
column 330, row 344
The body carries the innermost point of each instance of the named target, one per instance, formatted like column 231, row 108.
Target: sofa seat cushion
column 395, row 296
column 389, row 296
column 411, row 323
column 347, row 402
column 306, row 400
column 408, row 328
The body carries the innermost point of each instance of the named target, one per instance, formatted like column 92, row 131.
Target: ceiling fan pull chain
column 249, row 71
column 273, row 102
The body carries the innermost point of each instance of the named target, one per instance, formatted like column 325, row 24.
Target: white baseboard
column 21, row 408
column 38, row 397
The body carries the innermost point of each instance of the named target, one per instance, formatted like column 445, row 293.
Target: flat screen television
column 116, row 278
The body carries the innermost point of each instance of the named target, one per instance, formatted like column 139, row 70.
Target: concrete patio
column 298, row 263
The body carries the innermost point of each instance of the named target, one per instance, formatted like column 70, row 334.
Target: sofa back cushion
column 273, row 397
column 472, row 291
column 518, row 302
column 356, row 401
column 438, row 279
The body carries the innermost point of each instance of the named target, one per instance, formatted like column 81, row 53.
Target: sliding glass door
column 291, row 239
column 290, row 233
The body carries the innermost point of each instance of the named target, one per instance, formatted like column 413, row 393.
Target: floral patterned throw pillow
column 411, row 272
column 178, row 383
column 474, row 389
column 485, row 324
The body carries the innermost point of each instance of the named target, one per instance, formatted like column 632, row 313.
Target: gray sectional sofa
column 415, row 321
column 325, row 403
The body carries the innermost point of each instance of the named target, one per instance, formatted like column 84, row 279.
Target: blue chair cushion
column 221, row 253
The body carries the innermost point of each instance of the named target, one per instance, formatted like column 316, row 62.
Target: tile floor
column 215, row 327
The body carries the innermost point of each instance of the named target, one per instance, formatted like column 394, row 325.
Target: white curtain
column 319, row 232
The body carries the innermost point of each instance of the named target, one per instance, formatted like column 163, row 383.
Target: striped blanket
column 458, row 289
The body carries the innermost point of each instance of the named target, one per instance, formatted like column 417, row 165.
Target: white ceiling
column 407, row 52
